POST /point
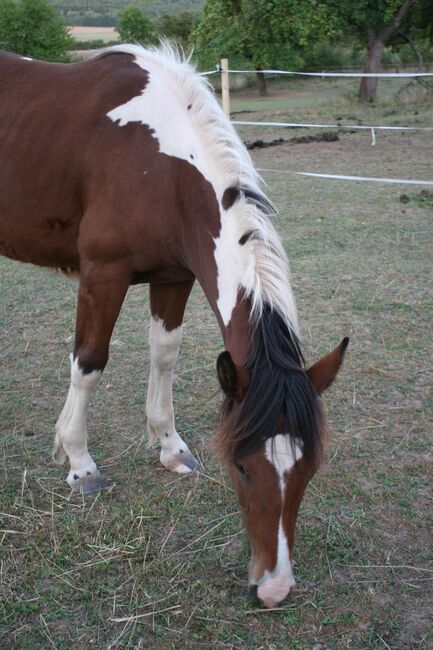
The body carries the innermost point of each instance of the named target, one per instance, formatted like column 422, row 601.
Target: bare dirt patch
column 325, row 136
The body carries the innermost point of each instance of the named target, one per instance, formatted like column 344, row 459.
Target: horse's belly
column 40, row 212
column 51, row 243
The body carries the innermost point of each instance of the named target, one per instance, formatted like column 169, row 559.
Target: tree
column 177, row 26
column 33, row 28
column 377, row 24
column 134, row 26
column 374, row 23
column 417, row 30
column 266, row 33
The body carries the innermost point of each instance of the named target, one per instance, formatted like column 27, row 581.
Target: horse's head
column 271, row 434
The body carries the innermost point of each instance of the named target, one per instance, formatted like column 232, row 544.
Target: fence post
column 224, row 64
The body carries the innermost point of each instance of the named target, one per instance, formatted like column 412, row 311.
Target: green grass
column 160, row 561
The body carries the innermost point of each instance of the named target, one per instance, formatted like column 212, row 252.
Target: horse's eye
column 241, row 469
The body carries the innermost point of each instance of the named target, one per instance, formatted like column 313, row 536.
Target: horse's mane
column 265, row 279
column 280, row 397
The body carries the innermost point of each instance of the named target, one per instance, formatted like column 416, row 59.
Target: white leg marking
column 274, row 586
column 164, row 350
column 71, row 428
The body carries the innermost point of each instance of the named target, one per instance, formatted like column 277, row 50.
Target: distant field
column 105, row 34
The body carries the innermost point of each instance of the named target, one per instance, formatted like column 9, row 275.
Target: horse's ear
column 233, row 379
column 323, row 373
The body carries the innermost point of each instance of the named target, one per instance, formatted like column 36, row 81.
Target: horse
column 123, row 169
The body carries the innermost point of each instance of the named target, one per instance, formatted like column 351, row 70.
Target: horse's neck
column 233, row 313
column 237, row 333
column 209, row 251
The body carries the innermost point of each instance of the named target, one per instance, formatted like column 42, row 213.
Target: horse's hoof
column 88, row 484
column 182, row 462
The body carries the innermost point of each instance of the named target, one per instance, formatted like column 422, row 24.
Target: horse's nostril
column 252, row 592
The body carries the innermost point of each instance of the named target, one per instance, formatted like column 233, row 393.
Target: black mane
column 260, row 200
column 280, row 397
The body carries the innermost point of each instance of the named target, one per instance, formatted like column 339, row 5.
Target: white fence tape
column 296, row 125
column 369, row 179
column 353, row 75
column 372, row 129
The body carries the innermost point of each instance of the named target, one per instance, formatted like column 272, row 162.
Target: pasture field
column 160, row 561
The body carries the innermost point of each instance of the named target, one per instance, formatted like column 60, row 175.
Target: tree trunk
column 376, row 45
column 261, row 83
column 368, row 86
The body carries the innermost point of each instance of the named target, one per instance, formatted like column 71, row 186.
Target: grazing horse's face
column 270, row 483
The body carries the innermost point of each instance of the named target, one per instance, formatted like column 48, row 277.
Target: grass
column 159, row 561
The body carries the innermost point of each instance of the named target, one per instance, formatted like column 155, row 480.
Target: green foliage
column 134, row 26
column 266, row 32
column 270, row 33
column 33, row 28
column 217, row 34
column 359, row 18
column 323, row 56
column 177, row 27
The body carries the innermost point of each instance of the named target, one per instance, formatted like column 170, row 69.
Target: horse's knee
column 89, row 361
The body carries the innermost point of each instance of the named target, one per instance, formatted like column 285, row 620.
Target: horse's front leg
column 100, row 298
column 167, row 302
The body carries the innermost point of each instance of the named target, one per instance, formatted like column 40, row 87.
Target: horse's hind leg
column 167, row 302
column 100, row 298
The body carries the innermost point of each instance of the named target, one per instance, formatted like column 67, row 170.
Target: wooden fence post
column 225, row 86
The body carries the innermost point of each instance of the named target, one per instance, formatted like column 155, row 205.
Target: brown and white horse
column 123, row 169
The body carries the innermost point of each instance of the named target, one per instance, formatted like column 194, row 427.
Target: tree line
column 107, row 12
column 290, row 34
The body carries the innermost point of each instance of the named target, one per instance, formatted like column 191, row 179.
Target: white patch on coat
column 164, row 350
column 71, row 428
column 233, row 261
column 168, row 121
column 181, row 111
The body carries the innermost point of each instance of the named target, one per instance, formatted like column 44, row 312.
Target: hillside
column 105, row 12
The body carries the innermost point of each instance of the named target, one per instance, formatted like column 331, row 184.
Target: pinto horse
column 123, row 169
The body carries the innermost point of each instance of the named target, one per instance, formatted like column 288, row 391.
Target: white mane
column 265, row 273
